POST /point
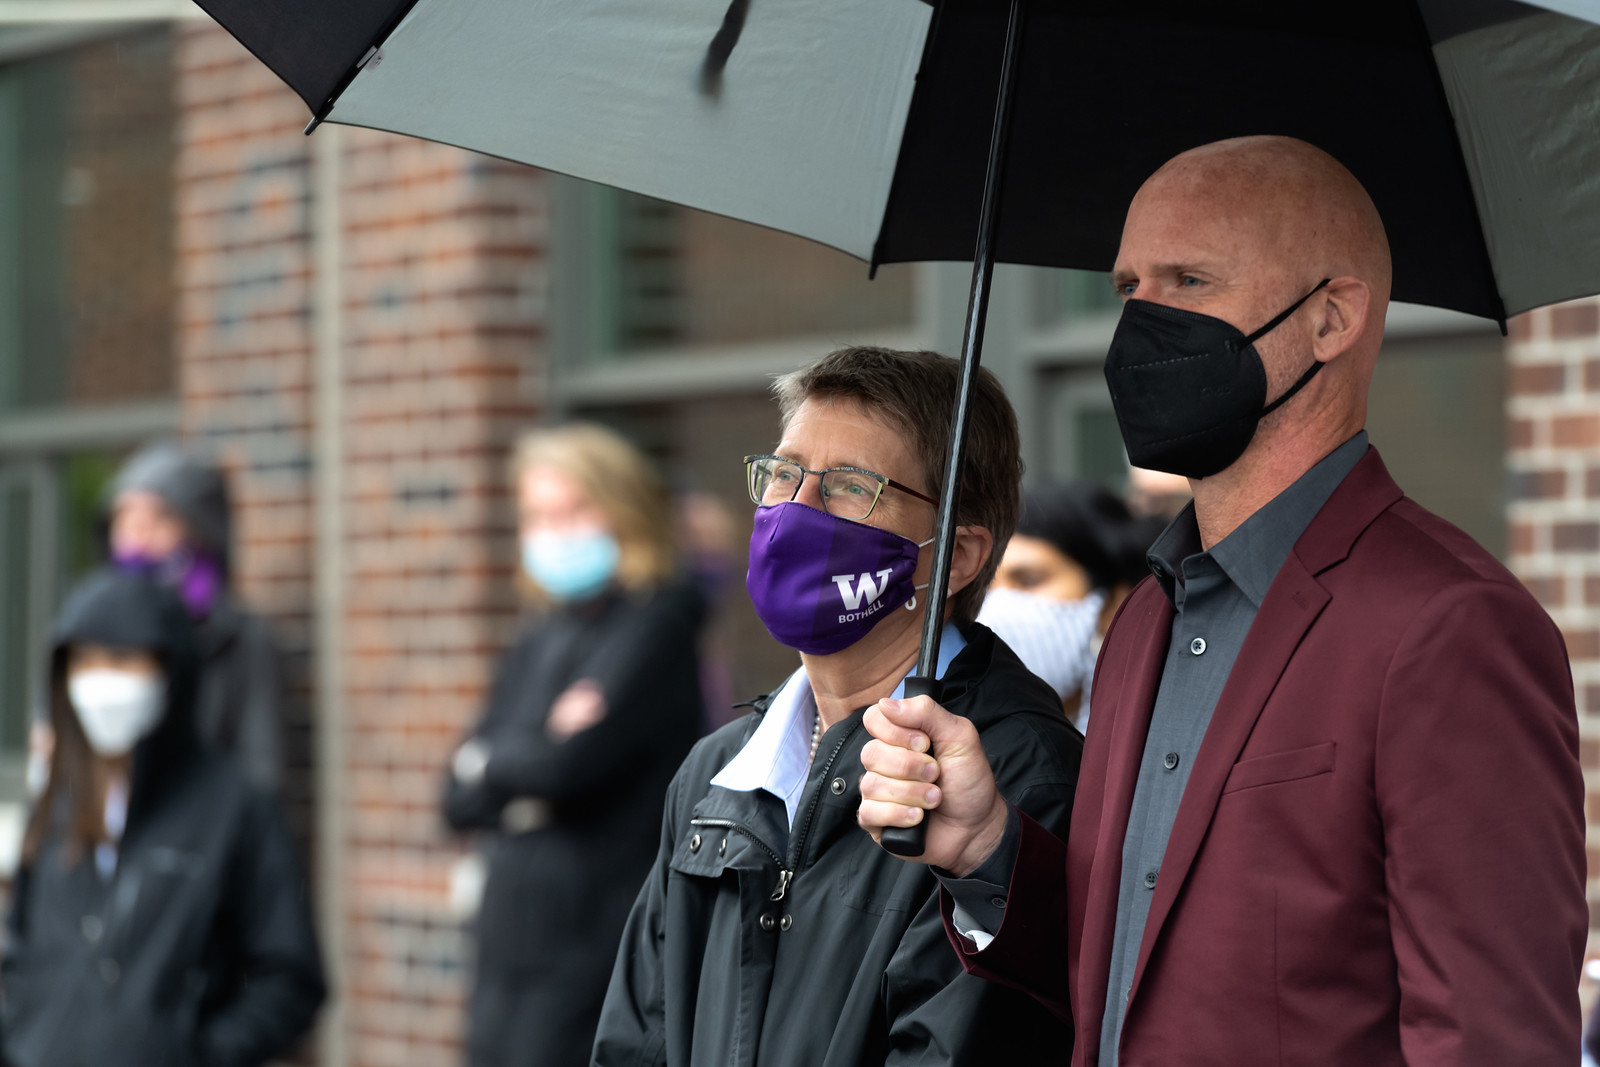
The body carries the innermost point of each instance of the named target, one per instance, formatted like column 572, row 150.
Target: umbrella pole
column 911, row 841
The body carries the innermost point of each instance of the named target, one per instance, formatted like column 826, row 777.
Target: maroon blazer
column 1379, row 857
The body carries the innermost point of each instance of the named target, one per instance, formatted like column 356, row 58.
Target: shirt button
column 1150, row 880
column 1198, row 646
column 1170, row 761
column 837, row 785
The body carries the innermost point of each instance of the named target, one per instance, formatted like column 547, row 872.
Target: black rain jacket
column 198, row 951
column 560, row 881
column 750, row 946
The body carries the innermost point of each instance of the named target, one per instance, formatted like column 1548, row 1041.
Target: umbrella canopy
column 895, row 129
column 864, row 124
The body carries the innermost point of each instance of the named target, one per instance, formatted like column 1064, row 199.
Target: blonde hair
column 622, row 483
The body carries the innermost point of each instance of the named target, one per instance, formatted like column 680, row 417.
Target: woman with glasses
column 772, row 931
column 590, row 712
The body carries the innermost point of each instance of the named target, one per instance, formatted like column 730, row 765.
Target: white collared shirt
column 777, row 757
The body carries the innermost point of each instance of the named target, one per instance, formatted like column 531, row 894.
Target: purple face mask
column 195, row 576
column 820, row 582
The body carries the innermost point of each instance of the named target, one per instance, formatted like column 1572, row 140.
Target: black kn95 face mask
column 1188, row 389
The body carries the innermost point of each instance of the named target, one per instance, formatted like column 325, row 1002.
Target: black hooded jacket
column 198, row 950
column 753, row 946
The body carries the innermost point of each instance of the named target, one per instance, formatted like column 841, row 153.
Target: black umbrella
column 900, row 130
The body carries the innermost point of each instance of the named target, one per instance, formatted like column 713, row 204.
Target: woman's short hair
column 915, row 393
column 621, row 482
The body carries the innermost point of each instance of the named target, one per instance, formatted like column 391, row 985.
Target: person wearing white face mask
column 562, row 778
column 1075, row 556
column 155, row 878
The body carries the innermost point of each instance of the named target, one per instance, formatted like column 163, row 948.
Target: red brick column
column 1554, row 459
column 443, row 267
column 442, row 282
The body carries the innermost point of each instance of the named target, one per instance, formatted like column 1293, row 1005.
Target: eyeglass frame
column 883, row 482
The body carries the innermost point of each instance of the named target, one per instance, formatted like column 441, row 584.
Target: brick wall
column 1553, row 403
column 443, row 305
column 443, row 285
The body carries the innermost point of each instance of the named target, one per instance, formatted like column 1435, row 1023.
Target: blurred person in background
column 159, row 916
column 1157, row 495
column 771, row 931
column 170, row 518
column 711, row 555
column 590, row 712
column 1075, row 556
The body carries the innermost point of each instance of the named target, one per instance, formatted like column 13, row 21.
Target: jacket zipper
column 785, row 871
column 798, row 848
column 785, row 875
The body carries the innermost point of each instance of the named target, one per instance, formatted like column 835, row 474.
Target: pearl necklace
column 816, row 735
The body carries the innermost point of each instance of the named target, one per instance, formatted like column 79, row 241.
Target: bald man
column 1331, row 811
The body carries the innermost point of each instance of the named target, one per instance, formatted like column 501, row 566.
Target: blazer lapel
column 1134, row 700
column 1292, row 604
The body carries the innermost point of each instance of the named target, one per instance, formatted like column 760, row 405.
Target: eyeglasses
column 847, row 492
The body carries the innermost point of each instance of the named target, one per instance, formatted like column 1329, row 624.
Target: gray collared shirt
column 1215, row 595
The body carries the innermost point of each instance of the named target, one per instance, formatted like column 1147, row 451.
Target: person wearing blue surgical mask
column 562, row 779
column 1075, row 556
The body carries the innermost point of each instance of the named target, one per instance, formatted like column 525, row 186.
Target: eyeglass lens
column 845, row 493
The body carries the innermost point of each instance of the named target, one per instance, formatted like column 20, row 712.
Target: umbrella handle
column 912, row 841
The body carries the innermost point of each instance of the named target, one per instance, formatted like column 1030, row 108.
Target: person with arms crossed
column 1331, row 811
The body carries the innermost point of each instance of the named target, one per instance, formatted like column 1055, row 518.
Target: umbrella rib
column 398, row 16
column 721, row 47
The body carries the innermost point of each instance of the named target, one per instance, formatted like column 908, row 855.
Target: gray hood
column 192, row 485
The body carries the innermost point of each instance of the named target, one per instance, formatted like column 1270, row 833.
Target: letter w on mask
column 866, row 589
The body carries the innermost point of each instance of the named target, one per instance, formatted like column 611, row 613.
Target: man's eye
column 1127, row 288
column 1190, row 281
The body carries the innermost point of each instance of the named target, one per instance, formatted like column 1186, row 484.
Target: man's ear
column 1339, row 317
column 974, row 544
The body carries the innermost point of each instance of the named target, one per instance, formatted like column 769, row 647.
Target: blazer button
column 768, row 922
column 837, row 785
column 1198, row 646
column 694, row 843
column 1170, row 761
column 1150, row 880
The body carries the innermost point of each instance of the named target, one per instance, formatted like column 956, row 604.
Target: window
column 656, row 276
column 1072, row 294
column 86, row 224
column 86, row 328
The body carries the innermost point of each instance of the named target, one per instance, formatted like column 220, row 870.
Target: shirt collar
column 777, row 757
column 1252, row 555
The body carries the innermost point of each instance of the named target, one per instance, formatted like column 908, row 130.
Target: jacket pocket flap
column 1280, row 767
column 704, row 852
